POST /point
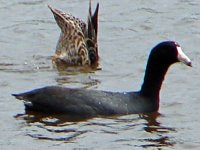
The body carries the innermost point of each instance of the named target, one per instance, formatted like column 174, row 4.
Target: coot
column 93, row 102
column 77, row 45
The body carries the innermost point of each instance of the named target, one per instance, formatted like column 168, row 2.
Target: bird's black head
column 168, row 52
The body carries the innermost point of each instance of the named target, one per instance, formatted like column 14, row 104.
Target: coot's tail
column 19, row 96
column 27, row 96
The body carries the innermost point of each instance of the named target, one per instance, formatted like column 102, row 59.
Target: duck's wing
column 71, row 47
column 67, row 16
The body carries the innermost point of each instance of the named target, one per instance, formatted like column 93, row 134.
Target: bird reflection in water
column 67, row 128
column 53, row 127
column 156, row 128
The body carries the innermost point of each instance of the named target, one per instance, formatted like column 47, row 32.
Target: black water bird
column 93, row 102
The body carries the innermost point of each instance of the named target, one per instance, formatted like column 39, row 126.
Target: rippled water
column 128, row 30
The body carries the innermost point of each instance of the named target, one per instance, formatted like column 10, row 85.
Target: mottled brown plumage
column 77, row 45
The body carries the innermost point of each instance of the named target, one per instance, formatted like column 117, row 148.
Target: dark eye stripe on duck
column 93, row 103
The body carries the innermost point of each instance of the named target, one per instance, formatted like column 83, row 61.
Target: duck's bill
column 183, row 58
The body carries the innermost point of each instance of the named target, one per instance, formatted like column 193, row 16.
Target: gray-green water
column 128, row 30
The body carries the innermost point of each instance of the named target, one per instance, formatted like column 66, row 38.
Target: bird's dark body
column 86, row 102
column 93, row 102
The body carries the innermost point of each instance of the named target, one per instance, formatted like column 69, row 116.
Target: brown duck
column 77, row 45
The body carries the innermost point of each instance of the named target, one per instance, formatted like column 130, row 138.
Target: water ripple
column 67, row 129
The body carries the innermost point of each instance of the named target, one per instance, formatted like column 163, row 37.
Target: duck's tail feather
column 93, row 22
column 92, row 34
column 95, row 19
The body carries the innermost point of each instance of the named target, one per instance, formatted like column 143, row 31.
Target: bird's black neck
column 154, row 76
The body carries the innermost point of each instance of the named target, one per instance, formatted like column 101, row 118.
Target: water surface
column 128, row 30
